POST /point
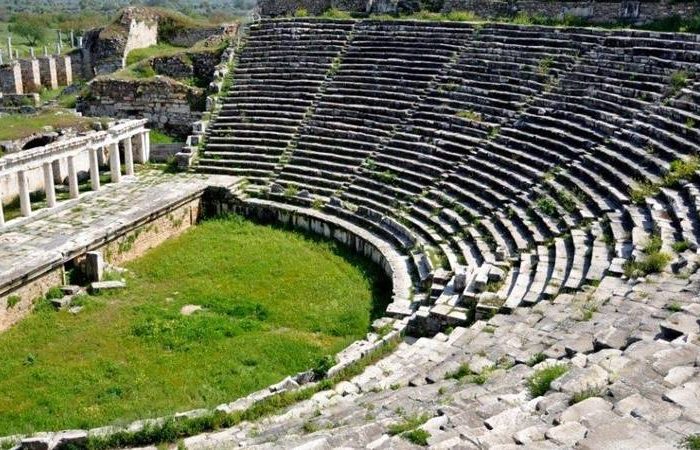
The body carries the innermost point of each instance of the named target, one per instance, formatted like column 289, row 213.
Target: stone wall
column 31, row 78
column 47, row 72
column 127, row 244
column 197, row 66
column 634, row 12
column 629, row 11
column 17, row 303
column 187, row 37
column 273, row 8
column 11, row 78
column 161, row 153
column 165, row 103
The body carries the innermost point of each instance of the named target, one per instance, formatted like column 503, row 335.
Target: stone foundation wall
column 189, row 36
column 167, row 105
column 64, row 71
column 25, row 295
column 11, row 78
column 31, row 76
column 273, row 8
column 47, row 72
column 127, row 244
column 138, row 241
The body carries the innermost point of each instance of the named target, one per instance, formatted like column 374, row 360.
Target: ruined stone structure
column 27, row 76
column 494, row 172
column 166, row 104
column 39, row 167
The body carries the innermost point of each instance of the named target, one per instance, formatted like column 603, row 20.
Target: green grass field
column 274, row 303
column 15, row 126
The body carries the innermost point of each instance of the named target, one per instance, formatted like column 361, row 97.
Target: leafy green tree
column 31, row 27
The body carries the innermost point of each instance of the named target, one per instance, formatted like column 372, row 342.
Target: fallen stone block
column 100, row 286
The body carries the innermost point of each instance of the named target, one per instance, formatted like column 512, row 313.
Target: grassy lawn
column 15, row 126
column 274, row 303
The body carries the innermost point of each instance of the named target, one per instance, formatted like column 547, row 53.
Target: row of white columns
column 140, row 156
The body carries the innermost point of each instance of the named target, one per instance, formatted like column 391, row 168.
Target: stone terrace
column 633, row 382
column 504, row 153
column 49, row 238
column 501, row 160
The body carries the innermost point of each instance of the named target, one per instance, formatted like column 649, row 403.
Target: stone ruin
column 508, row 179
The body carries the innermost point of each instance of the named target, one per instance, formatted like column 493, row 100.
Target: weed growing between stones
column 539, row 382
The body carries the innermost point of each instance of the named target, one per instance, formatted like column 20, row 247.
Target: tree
column 32, row 27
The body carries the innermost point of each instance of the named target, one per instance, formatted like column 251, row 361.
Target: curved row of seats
column 506, row 152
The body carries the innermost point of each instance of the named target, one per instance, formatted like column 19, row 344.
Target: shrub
column 291, row 191
column 545, row 65
column 674, row 307
column 417, row 436
column 642, row 190
column 678, row 80
column 13, row 300
column 681, row 170
column 691, row 442
column 54, row 293
column 680, row 246
column 536, row 359
column 335, row 13
column 654, row 263
column 323, row 365
column 539, row 382
column 462, row 16
column 460, row 373
column 301, row 12
column 689, row 123
column 547, row 206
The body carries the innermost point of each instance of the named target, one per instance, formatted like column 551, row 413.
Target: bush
column 469, row 115
column 678, row 81
column 691, row 442
column 538, row 384
column 323, row 365
column 13, row 300
column 335, row 13
column 681, row 246
column 654, row 263
column 54, row 293
column 301, row 12
column 417, row 436
column 547, row 206
column 536, row 359
column 409, row 423
column 681, row 170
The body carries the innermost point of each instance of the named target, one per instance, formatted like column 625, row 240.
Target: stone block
column 97, row 287
column 94, row 266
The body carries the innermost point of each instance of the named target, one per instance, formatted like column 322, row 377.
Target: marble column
column 49, row 186
column 25, row 203
column 115, row 163
column 128, row 156
column 94, row 169
column 72, row 178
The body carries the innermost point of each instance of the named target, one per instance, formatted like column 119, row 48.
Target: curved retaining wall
column 395, row 264
column 222, row 200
